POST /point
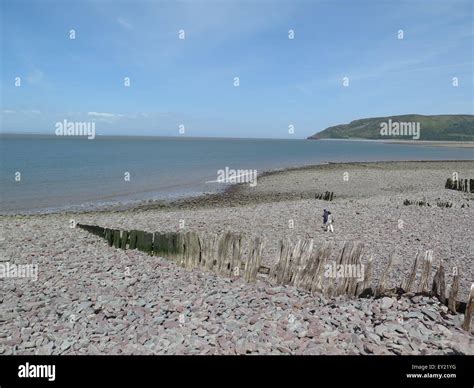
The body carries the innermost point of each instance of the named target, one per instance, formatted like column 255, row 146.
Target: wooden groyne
column 190, row 250
column 303, row 265
column 466, row 185
column 446, row 204
column 326, row 196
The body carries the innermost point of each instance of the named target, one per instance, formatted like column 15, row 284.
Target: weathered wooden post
column 408, row 283
column 133, row 240
column 109, row 236
column 322, row 256
column 304, row 263
column 162, row 246
column 453, row 292
column 209, row 252
column 192, row 254
column 253, row 262
column 140, row 239
column 179, row 247
column 223, row 253
column 236, row 255
column 148, row 243
column 124, row 239
column 469, row 309
column 438, row 289
column 100, row 231
column 145, row 242
column 116, row 238
column 366, row 284
column 382, row 283
column 278, row 270
column 426, row 271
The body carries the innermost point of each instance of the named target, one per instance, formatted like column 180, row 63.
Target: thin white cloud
column 125, row 24
column 8, row 112
column 101, row 114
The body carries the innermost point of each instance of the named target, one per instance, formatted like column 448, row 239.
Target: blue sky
column 190, row 82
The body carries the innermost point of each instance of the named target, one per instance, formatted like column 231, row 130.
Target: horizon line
column 40, row 134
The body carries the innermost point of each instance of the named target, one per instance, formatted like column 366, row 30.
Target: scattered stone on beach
column 94, row 299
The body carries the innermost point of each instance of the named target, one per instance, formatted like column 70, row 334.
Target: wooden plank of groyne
column 168, row 244
column 293, row 264
column 182, row 259
column 453, row 292
column 253, row 263
column 147, row 242
column 333, row 285
column 179, row 248
column 229, row 251
column 469, row 309
column 133, row 240
column 98, row 231
column 140, row 238
column 144, row 241
column 382, row 284
column 351, row 267
column 192, row 255
column 237, row 255
column 208, row 254
column 117, row 238
column 438, row 288
column 366, row 285
column 323, row 254
column 171, row 241
column 124, row 239
column 109, row 236
column 426, row 272
column 174, row 245
column 306, row 264
column 356, row 271
column 223, row 252
column 183, row 262
column 309, row 267
column 408, row 283
column 158, row 244
column 278, row 271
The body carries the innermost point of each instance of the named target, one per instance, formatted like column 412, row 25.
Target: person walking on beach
column 325, row 218
column 329, row 223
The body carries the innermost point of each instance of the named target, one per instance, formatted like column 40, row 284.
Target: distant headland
column 405, row 127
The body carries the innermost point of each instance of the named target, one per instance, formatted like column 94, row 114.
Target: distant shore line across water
column 84, row 175
column 433, row 143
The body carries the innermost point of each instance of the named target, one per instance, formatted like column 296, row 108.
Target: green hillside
column 439, row 127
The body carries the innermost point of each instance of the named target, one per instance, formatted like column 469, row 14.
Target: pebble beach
column 94, row 299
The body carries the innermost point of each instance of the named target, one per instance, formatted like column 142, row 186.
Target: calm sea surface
column 76, row 173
